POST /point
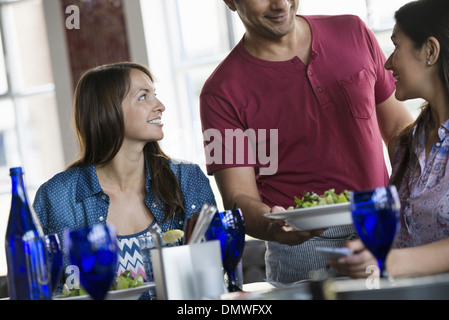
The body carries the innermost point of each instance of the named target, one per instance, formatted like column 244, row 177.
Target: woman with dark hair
column 420, row 65
column 121, row 175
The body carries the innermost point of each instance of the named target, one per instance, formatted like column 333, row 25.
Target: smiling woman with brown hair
column 420, row 65
column 100, row 124
column 121, row 175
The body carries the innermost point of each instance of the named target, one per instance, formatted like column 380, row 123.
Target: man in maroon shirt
column 312, row 101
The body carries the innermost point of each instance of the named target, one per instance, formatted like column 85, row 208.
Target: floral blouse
column 425, row 196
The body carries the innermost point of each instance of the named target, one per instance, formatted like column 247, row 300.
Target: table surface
column 429, row 287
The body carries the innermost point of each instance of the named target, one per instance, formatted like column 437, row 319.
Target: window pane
column 197, row 76
column 36, row 144
column 3, row 81
column 195, row 26
column 28, row 44
column 9, row 150
column 40, row 137
column 2, row 150
column 382, row 13
column 29, row 126
column 5, row 205
column 332, row 7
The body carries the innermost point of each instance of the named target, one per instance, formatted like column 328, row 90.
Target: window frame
column 15, row 94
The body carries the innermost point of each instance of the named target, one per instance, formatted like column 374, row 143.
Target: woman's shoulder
column 195, row 185
column 63, row 178
column 188, row 173
column 184, row 167
column 55, row 191
column 66, row 181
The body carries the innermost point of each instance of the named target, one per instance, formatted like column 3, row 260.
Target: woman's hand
column 354, row 266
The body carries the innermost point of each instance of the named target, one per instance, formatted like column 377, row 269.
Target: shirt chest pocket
column 358, row 91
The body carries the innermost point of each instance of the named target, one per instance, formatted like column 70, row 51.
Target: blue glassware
column 375, row 214
column 55, row 258
column 94, row 250
column 228, row 227
column 28, row 276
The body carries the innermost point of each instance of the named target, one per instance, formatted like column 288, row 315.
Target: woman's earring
column 429, row 63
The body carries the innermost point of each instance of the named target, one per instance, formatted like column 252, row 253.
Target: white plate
column 125, row 294
column 318, row 217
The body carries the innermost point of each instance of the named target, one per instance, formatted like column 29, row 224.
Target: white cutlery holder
column 188, row 272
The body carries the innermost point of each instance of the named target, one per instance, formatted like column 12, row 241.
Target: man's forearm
column 256, row 224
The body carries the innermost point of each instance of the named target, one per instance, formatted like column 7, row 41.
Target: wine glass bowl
column 94, row 250
column 375, row 214
column 228, row 227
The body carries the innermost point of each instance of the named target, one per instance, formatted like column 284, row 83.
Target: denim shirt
column 74, row 199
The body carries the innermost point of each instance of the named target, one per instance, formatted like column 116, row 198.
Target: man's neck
column 297, row 43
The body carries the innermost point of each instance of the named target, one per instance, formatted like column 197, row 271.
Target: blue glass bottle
column 28, row 276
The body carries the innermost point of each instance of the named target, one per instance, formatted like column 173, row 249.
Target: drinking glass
column 94, row 250
column 55, row 258
column 375, row 214
column 146, row 244
column 228, row 227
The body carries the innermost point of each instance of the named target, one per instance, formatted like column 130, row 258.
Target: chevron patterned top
column 129, row 256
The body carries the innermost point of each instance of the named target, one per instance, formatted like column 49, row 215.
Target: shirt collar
column 442, row 133
column 444, row 129
column 87, row 184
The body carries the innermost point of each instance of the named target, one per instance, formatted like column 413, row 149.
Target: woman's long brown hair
column 100, row 129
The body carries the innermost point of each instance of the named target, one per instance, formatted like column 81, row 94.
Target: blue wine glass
column 55, row 258
column 228, row 227
column 375, row 214
column 94, row 251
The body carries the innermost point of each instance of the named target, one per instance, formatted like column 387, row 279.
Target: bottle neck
column 18, row 187
column 22, row 215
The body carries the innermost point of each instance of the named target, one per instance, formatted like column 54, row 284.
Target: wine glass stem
column 382, row 270
column 232, row 282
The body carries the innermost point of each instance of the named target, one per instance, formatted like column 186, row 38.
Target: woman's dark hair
column 100, row 128
column 420, row 20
